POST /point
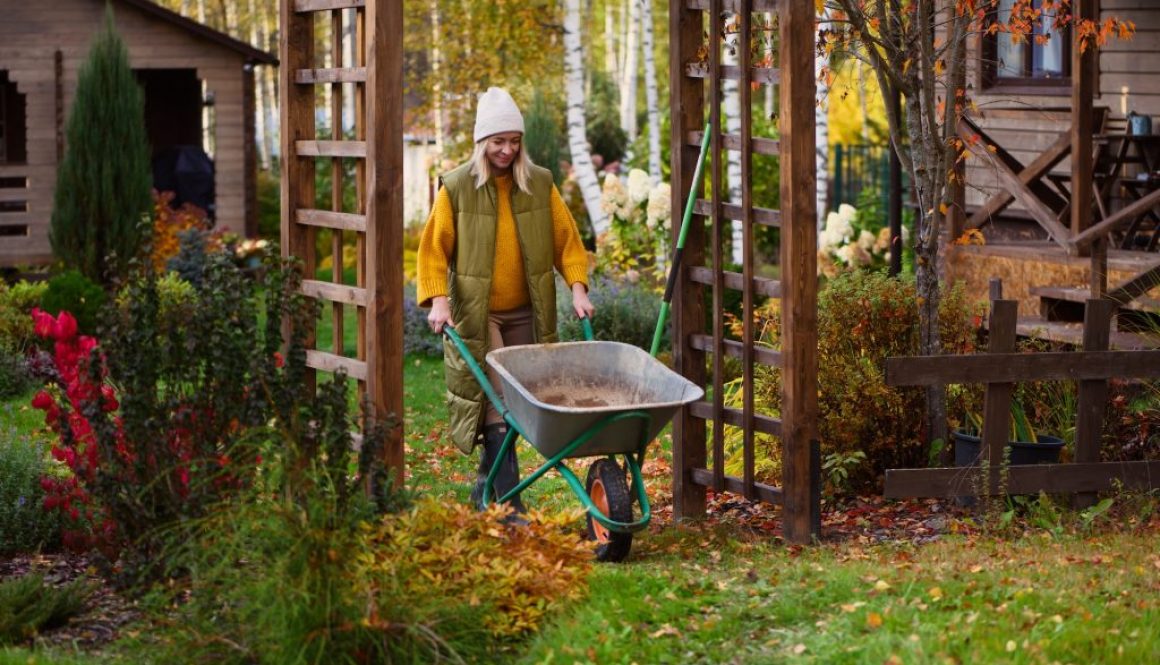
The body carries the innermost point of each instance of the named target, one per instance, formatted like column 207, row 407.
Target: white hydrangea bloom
column 639, row 185
column 660, row 205
column 840, row 226
column 846, row 254
column 866, row 240
column 613, row 198
column 847, row 212
column 828, row 239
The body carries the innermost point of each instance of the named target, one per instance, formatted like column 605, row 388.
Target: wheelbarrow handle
column 586, row 324
column 476, row 370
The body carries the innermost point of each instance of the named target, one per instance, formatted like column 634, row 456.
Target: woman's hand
column 440, row 314
column 580, row 302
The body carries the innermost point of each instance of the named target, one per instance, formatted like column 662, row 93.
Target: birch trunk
column 259, row 107
column 731, row 109
column 436, row 73
column 201, row 11
column 822, row 133
column 577, row 127
column 628, row 80
column 269, row 89
column 610, row 64
column 650, row 92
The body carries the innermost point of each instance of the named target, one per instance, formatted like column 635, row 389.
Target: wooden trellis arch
column 696, row 96
column 375, row 78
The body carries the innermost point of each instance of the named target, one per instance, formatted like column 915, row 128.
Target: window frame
column 991, row 82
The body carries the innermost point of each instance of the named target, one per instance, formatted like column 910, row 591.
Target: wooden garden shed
column 1035, row 107
column 199, row 90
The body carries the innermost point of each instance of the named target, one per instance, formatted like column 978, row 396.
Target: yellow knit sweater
column 509, row 287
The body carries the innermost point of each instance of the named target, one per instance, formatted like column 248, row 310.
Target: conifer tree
column 103, row 183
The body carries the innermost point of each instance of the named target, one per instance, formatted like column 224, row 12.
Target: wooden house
column 1038, row 105
column 199, row 90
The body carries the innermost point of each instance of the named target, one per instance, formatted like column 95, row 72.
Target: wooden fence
column 1000, row 368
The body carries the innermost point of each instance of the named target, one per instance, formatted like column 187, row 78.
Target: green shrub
column 625, row 312
column 28, row 606
column 25, row 526
column 16, row 303
column 542, row 137
column 864, row 318
column 72, row 292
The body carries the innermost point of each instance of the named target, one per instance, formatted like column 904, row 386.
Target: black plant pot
column 1046, row 451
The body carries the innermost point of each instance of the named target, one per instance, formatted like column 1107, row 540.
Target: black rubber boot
column 508, row 475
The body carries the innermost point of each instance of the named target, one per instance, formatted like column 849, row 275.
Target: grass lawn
column 1047, row 588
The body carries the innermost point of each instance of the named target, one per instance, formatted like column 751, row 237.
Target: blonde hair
column 521, row 167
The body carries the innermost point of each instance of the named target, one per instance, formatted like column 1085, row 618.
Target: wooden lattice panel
column 374, row 77
column 697, row 71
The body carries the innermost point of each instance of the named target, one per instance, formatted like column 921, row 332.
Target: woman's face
column 502, row 149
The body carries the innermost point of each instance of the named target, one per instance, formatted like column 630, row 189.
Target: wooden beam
column 1025, row 479
column 761, row 146
column 331, row 75
column 700, row 70
column 761, row 491
column 1136, row 286
column 1082, row 89
column 328, row 219
column 1023, row 194
column 353, row 149
column 997, row 398
column 687, row 111
column 735, row 417
column 1117, row 219
column 1093, row 393
column 732, row 211
column 1015, row 367
column 1001, row 199
column 329, row 362
column 336, row 293
column 735, row 349
column 304, row 6
column 384, row 214
column 763, row 286
column 799, row 247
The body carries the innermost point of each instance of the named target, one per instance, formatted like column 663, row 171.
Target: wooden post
column 1093, row 393
column 997, row 399
column 296, row 51
column 687, row 104
column 384, row 219
column 798, row 268
column 718, row 241
column 1082, row 88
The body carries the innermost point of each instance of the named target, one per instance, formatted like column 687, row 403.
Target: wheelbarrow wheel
column 608, row 489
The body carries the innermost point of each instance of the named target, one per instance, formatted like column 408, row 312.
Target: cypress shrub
column 104, row 181
column 542, row 136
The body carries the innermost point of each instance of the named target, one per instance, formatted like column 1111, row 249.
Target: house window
column 12, row 123
column 1040, row 60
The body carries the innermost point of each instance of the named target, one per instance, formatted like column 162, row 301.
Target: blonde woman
column 496, row 234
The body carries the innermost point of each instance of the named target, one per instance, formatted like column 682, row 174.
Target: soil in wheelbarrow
column 586, row 394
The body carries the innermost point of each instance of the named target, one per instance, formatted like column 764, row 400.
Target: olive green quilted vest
column 469, row 284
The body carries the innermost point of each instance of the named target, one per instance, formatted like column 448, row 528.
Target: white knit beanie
column 497, row 113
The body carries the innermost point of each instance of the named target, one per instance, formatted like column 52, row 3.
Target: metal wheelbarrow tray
column 559, row 392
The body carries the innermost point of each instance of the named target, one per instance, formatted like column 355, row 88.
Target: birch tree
column 577, row 127
column 628, row 78
column 822, row 130
column 731, row 109
column 650, row 92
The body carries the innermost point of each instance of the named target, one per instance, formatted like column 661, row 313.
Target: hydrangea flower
column 639, row 185
column 660, row 206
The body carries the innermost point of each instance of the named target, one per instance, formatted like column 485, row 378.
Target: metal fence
column 860, row 167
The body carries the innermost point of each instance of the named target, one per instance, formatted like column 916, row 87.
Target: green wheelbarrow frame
column 633, row 460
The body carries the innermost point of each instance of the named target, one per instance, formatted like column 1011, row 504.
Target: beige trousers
column 510, row 328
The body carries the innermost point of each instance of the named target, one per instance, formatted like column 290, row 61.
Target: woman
column 485, row 264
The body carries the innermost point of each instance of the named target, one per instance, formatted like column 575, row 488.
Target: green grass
column 691, row 596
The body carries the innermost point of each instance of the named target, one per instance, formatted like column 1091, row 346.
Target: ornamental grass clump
column 28, row 605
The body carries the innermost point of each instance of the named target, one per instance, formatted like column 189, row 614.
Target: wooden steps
column 1071, row 332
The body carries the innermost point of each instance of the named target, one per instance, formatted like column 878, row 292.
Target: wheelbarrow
column 585, row 399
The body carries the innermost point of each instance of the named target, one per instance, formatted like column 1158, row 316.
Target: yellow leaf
column 881, row 585
column 874, row 620
column 799, row 649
